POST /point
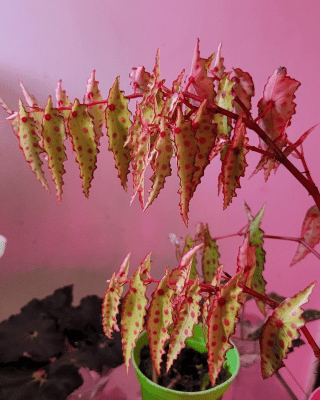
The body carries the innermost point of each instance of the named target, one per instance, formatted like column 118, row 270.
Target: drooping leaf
column 200, row 83
column 210, row 256
column 310, row 233
column 29, row 141
column 311, row 315
column 82, row 135
column 132, row 314
column 118, row 124
column 221, row 325
column 224, row 99
column 243, row 88
column 234, row 163
column 54, row 136
column 161, row 162
column 187, row 149
column 256, row 239
column 111, row 298
column 97, row 110
column 186, row 317
column 205, row 133
column 158, row 320
column 280, row 329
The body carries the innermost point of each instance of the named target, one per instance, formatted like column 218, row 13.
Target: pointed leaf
column 6, row 107
column 310, row 233
column 54, row 136
column 29, row 142
column 256, row 239
column 158, row 320
column 210, row 256
column 224, row 99
column 118, row 124
column 200, row 83
column 30, row 99
column 234, row 163
column 205, row 133
column 132, row 314
column 161, row 163
column 187, row 149
column 280, row 330
column 189, row 243
column 221, row 325
column 96, row 111
column 83, row 140
column 246, row 262
column 217, row 68
column 186, row 318
column 62, row 100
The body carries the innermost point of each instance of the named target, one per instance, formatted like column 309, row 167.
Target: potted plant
column 199, row 119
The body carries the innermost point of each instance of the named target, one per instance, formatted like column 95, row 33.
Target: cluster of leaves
column 180, row 301
column 43, row 348
column 203, row 115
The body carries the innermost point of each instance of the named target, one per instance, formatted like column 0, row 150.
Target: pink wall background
column 83, row 241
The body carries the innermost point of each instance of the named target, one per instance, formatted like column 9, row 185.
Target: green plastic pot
column 153, row 391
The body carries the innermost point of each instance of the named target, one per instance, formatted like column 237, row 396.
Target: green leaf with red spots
column 310, row 233
column 246, row 262
column 186, row 149
column 224, row 99
column 205, row 133
column 188, row 244
column 256, row 239
column 111, row 298
column 29, row 141
column 186, row 317
column 132, row 314
column 159, row 319
column 161, row 162
column 54, row 135
column 82, row 135
column 140, row 152
column 118, row 124
column 234, row 163
column 280, row 329
column 210, row 256
column 243, row 88
column 146, row 267
column 199, row 82
column 97, row 110
column 221, row 325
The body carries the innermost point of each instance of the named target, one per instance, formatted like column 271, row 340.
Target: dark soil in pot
column 189, row 372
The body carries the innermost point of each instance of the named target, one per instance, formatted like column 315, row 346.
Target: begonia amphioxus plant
column 200, row 118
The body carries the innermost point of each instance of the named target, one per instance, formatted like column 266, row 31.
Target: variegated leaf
column 280, row 329
column 54, row 136
column 145, row 267
column 217, row 67
column 132, row 314
column 221, row 325
column 118, row 124
column 189, row 243
column 83, row 141
column 186, row 318
column 62, row 101
column 310, row 233
column 234, row 163
column 158, row 320
column 97, row 110
column 187, row 149
column 29, row 141
column 210, row 256
column 256, row 239
column 246, row 262
column 224, row 99
column 161, row 163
